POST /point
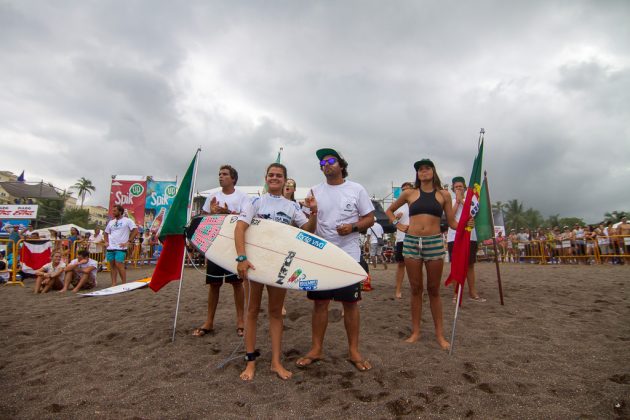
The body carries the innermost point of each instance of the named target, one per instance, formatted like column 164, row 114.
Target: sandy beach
column 558, row 349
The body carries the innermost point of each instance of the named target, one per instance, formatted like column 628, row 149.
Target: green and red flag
column 484, row 226
column 461, row 246
column 171, row 261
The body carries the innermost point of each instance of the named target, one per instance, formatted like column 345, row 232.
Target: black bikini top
column 426, row 204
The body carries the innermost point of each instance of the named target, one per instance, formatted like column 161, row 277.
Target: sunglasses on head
column 330, row 161
column 290, row 184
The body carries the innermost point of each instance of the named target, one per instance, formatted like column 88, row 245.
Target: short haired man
column 376, row 241
column 459, row 188
column 227, row 201
column 80, row 273
column 119, row 234
column 344, row 209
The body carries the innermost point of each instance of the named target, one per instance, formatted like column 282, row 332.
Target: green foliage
column 50, row 212
column 571, row 221
column 533, row 218
column 516, row 217
column 615, row 216
column 76, row 216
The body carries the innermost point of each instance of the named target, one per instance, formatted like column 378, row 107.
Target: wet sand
column 559, row 348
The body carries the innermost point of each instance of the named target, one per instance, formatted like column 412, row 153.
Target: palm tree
column 514, row 215
column 533, row 218
column 83, row 187
column 615, row 216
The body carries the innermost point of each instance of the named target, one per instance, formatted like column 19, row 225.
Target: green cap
column 427, row 162
column 321, row 153
column 458, row 179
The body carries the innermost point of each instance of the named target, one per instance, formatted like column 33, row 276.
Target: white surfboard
column 119, row 288
column 283, row 255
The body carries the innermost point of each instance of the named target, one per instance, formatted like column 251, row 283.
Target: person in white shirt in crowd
column 344, row 209
column 402, row 216
column 272, row 206
column 459, row 189
column 119, row 234
column 50, row 276
column 376, row 241
column 80, row 273
column 227, row 201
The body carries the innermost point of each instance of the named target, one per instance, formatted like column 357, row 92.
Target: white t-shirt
column 96, row 242
column 404, row 219
column 48, row 268
column 119, row 231
column 375, row 232
column 450, row 237
column 338, row 205
column 236, row 201
column 90, row 263
column 273, row 207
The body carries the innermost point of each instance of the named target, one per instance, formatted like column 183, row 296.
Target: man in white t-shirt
column 227, row 201
column 459, row 188
column 402, row 215
column 119, row 234
column 343, row 209
column 375, row 235
column 80, row 273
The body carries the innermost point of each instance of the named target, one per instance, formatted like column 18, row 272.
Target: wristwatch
column 241, row 258
column 355, row 228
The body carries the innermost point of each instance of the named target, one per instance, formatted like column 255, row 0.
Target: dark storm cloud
column 135, row 87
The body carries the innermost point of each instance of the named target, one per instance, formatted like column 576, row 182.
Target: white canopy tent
column 63, row 229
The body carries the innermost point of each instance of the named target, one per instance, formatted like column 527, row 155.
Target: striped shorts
column 425, row 248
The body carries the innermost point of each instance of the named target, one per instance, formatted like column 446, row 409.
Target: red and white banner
column 132, row 196
column 34, row 255
column 18, row 211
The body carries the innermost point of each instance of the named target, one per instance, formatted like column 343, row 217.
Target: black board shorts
column 398, row 256
column 215, row 274
column 349, row 294
column 472, row 255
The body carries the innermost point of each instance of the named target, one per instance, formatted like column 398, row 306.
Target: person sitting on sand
column 50, row 275
column 275, row 207
column 80, row 273
column 423, row 244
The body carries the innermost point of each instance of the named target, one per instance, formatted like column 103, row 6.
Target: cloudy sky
column 95, row 88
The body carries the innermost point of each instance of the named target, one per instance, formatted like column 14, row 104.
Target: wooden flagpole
column 494, row 239
column 181, row 277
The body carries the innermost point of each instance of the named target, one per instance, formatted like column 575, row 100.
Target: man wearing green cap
column 344, row 209
column 459, row 188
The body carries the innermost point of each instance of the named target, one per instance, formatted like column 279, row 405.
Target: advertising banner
column 18, row 211
column 132, row 196
column 160, row 195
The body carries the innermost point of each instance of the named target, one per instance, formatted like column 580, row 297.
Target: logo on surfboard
column 311, row 240
column 285, row 267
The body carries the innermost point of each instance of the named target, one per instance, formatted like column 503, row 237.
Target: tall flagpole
column 461, row 287
column 494, row 239
column 181, row 276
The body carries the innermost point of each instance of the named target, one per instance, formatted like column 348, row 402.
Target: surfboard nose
column 192, row 226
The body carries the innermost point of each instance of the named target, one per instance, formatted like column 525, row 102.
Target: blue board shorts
column 117, row 255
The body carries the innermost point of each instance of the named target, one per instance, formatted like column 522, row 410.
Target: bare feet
column 201, row 331
column 249, row 372
column 307, row 360
column 284, row 310
column 398, row 295
column 413, row 338
column 361, row 365
column 445, row 345
column 281, row 372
